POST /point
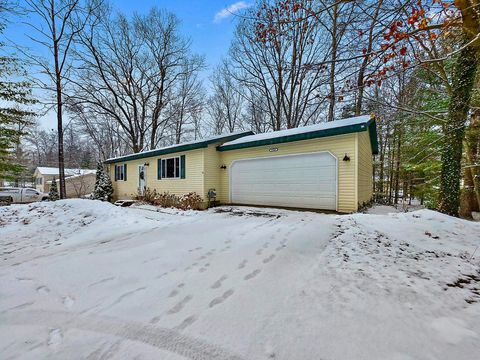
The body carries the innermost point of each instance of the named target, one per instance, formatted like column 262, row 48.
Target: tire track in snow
column 161, row 338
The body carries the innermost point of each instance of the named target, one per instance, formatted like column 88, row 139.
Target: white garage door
column 305, row 181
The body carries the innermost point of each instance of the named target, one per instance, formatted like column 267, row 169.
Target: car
column 21, row 195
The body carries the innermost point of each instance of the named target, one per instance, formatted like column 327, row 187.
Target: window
column 171, row 168
column 31, row 192
column 121, row 172
column 39, row 181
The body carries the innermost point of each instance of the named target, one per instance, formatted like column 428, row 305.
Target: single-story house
column 78, row 182
column 323, row 166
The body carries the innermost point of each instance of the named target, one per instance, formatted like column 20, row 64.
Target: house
column 78, row 182
column 323, row 166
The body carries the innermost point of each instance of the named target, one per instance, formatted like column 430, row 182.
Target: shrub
column 167, row 200
column 190, row 201
column 148, row 196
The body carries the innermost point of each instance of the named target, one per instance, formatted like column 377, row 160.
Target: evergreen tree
column 13, row 94
column 98, row 177
column 53, row 193
column 103, row 185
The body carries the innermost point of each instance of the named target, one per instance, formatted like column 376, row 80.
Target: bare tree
column 226, row 103
column 130, row 71
column 59, row 23
column 277, row 64
column 186, row 105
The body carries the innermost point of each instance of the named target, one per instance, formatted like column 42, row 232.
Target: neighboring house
column 78, row 182
column 324, row 166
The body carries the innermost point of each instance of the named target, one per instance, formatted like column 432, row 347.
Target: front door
column 141, row 179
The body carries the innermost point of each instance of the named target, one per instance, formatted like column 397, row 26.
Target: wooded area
column 123, row 83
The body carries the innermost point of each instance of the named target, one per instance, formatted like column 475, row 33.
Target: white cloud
column 230, row 10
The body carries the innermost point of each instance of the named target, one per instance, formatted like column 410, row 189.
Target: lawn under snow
column 82, row 279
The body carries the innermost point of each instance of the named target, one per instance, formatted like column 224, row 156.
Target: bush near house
column 190, row 201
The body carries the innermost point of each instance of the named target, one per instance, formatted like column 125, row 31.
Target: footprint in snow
column 177, row 290
column 43, row 289
column 68, row 301
column 252, row 274
column 186, row 322
column 218, row 283
column 268, row 259
column 180, row 305
column 259, row 251
column 221, row 299
column 242, row 264
column 55, row 337
column 173, row 293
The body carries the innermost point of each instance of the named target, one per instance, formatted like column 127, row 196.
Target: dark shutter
column 124, row 172
column 182, row 167
column 116, row 173
column 159, row 169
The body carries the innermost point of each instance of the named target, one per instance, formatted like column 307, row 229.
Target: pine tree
column 13, row 94
column 98, row 177
column 103, row 185
column 53, row 193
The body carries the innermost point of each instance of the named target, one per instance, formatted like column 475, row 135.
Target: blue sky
column 201, row 21
column 208, row 23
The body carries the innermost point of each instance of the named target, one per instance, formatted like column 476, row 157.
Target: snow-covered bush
column 191, row 201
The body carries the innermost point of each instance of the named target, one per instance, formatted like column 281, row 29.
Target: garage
column 303, row 180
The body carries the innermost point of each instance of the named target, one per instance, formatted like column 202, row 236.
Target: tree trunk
column 58, row 88
column 363, row 67
column 470, row 197
column 331, row 107
column 454, row 131
column 398, row 133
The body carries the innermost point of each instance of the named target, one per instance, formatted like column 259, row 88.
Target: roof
column 69, row 172
column 71, row 178
column 187, row 146
column 338, row 127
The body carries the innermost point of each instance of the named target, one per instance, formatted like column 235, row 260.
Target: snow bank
column 236, row 283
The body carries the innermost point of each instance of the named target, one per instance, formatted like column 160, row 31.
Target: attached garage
column 323, row 166
column 302, row 180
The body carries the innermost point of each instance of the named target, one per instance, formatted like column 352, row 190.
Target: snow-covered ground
column 81, row 279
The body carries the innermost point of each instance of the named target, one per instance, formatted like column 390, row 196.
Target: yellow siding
column 337, row 145
column 211, row 169
column 193, row 181
column 365, row 168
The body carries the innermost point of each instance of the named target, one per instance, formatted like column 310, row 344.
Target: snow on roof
column 69, row 172
column 72, row 177
column 210, row 139
column 358, row 120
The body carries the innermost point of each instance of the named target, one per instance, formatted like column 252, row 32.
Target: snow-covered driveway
column 82, row 279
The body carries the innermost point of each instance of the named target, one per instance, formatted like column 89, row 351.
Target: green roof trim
column 370, row 126
column 178, row 148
